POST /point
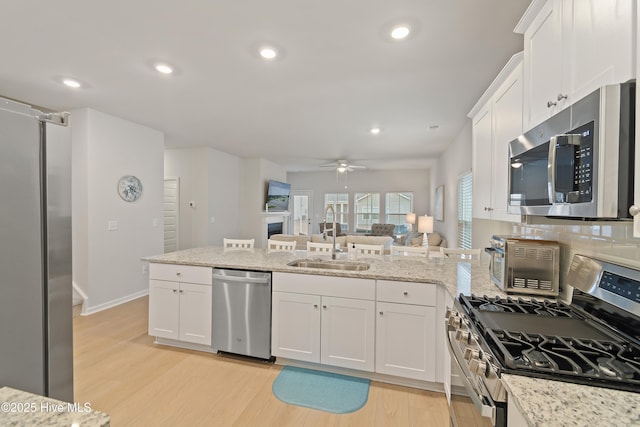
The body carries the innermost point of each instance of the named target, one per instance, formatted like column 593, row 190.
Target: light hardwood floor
column 119, row 370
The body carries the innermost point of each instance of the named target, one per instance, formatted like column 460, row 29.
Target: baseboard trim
column 184, row 344
column 86, row 311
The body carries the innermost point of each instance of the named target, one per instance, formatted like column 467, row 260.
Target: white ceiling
column 340, row 73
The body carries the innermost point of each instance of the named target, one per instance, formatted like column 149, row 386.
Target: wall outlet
column 112, row 225
column 156, row 222
column 145, row 268
column 212, row 219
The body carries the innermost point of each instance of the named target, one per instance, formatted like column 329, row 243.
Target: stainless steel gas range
column 594, row 340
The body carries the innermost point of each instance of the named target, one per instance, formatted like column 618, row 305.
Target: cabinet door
column 295, row 326
column 348, row 333
column 507, row 125
column 543, row 65
column 600, row 44
column 164, row 308
column 195, row 313
column 482, row 162
column 406, row 340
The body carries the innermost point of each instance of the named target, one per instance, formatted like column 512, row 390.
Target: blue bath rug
column 325, row 391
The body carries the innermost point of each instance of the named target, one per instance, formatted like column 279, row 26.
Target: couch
column 382, row 230
column 413, row 238
column 344, row 241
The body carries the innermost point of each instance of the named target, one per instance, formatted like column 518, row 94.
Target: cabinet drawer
column 180, row 273
column 333, row 286
column 406, row 292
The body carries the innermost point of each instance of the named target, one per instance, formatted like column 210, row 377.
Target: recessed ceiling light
column 71, row 83
column 400, row 32
column 163, row 68
column 268, row 52
column 375, row 131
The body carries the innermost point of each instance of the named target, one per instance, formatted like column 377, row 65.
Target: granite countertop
column 20, row 408
column 542, row 402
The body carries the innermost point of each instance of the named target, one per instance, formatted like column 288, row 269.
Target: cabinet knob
column 175, row 291
column 551, row 104
column 181, row 291
column 324, row 306
column 405, row 293
column 315, row 305
column 178, row 273
column 634, row 210
column 381, row 313
column 561, row 97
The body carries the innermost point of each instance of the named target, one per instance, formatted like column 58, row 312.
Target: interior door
column 302, row 202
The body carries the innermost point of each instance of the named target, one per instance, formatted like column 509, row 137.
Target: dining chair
column 420, row 251
column 460, row 253
column 319, row 248
column 238, row 243
column 367, row 250
column 281, row 246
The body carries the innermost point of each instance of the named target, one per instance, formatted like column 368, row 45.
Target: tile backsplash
column 612, row 241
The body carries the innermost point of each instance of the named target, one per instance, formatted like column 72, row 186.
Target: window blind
column 465, row 187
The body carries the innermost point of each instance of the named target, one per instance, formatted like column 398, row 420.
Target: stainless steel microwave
column 579, row 163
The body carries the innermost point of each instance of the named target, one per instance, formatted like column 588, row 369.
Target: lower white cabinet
column 323, row 319
column 295, row 326
column 406, row 341
column 180, row 310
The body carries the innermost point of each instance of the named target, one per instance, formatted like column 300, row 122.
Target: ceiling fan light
column 342, row 169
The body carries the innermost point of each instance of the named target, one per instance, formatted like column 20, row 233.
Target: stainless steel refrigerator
column 36, row 339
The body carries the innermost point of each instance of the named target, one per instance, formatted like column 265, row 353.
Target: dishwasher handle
column 240, row 279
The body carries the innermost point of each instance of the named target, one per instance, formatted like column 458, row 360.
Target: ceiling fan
column 342, row 166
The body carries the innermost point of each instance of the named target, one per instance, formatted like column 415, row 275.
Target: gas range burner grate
column 591, row 361
column 519, row 305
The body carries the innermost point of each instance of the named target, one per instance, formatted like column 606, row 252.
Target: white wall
column 213, row 181
column 454, row 162
column 381, row 181
column 107, row 266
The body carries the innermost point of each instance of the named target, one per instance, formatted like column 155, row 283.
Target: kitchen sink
column 330, row 265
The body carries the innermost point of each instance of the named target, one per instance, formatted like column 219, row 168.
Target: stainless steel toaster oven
column 525, row 266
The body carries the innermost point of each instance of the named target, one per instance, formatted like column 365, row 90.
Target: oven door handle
column 487, row 411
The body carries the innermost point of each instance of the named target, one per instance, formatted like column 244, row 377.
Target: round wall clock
column 129, row 188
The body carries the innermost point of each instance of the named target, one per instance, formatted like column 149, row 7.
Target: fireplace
column 274, row 228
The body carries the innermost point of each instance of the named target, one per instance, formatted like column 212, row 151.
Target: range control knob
column 472, row 353
column 463, row 336
column 478, row 367
column 455, row 321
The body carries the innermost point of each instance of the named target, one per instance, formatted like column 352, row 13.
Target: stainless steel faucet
column 333, row 230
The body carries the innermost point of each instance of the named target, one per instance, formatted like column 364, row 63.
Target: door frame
column 309, row 195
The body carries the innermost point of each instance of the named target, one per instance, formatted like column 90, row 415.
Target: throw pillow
column 413, row 238
column 434, row 239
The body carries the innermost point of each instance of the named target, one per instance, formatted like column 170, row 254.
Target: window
column 367, row 211
column 465, row 187
column 340, row 202
column 397, row 205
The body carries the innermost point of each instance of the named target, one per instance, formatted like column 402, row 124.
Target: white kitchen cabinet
column 324, row 319
column 571, row 48
column 636, row 197
column 295, row 326
column 180, row 303
column 347, row 334
column 496, row 121
column 406, row 343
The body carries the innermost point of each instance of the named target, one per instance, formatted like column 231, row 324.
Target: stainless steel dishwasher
column 241, row 318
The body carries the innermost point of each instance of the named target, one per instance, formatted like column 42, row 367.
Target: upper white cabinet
column 496, row 120
column 636, row 198
column 572, row 47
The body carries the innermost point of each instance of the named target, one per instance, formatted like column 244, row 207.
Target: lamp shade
column 411, row 218
column 425, row 224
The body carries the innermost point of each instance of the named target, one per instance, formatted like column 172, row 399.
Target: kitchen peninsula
column 450, row 278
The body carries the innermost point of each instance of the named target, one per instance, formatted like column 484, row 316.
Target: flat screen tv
column 278, row 196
